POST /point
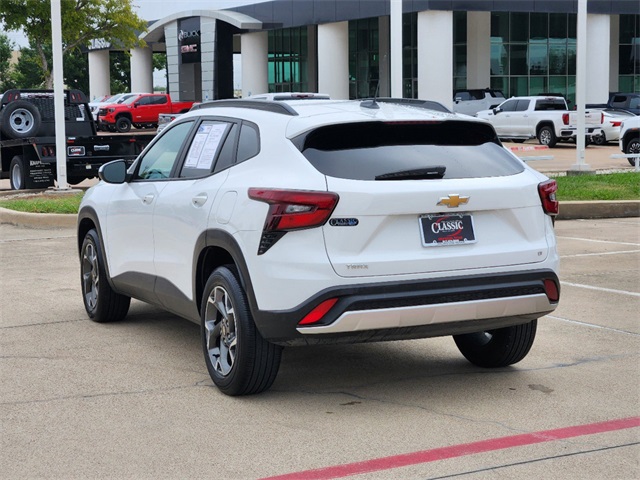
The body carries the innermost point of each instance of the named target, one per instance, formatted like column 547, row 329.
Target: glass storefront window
column 629, row 53
column 364, row 57
column 287, row 67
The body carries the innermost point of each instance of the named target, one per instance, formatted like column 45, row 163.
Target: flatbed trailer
column 28, row 153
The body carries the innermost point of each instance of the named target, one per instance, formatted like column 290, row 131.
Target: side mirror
column 496, row 110
column 135, row 104
column 458, row 99
column 113, row 172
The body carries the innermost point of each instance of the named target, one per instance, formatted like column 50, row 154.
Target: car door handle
column 199, row 200
column 148, row 198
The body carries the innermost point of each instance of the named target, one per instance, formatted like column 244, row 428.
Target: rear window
column 363, row 151
column 551, row 104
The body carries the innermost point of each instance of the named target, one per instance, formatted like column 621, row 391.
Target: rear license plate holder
column 448, row 229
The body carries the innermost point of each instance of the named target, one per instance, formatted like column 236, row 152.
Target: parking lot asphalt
column 134, row 400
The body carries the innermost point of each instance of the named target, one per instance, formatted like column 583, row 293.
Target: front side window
column 509, row 106
column 202, row 153
column 159, row 160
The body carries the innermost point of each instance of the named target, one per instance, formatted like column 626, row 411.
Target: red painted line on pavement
column 426, row 456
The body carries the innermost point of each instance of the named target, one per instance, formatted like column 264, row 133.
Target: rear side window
column 249, row 142
column 551, row 104
column 363, row 151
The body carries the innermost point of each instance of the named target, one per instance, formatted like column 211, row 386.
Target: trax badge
column 453, row 200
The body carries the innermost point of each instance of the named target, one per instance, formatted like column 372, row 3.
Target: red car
column 141, row 111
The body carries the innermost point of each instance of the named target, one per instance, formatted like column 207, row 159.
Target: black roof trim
column 264, row 105
column 413, row 102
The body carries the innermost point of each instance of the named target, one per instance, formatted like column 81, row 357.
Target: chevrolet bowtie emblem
column 453, row 200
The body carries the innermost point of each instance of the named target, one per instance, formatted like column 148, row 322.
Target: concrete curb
column 38, row 220
column 568, row 211
column 599, row 209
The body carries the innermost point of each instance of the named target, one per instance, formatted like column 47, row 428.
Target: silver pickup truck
column 546, row 118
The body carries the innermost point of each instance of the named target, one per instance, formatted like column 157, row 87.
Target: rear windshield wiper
column 417, row 174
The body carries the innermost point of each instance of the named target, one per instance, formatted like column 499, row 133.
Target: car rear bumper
column 401, row 310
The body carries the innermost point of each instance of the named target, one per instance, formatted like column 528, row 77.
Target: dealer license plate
column 454, row 229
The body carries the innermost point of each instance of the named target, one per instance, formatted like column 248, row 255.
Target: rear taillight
column 292, row 210
column 601, row 118
column 551, row 289
column 547, row 191
column 615, row 124
column 565, row 118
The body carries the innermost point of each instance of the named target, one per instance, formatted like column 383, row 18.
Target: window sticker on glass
column 205, row 145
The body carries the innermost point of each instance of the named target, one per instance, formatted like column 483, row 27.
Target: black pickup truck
column 28, row 145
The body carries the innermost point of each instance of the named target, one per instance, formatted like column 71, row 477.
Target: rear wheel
column 17, row 173
column 100, row 301
column 599, row 139
column 239, row 360
column 633, row 147
column 497, row 348
column 546, row 136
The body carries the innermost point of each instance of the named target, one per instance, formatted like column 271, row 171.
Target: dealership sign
column 189, row 39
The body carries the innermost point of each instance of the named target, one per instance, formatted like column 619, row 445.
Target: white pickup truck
column 546, row 118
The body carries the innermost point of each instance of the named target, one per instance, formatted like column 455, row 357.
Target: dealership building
column 355, row 48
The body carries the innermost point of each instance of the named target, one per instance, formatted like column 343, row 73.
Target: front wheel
column 546, row 136
column 17, row 173
column 497, row 348
column 123, row 124
column 100, row 301
column 633, row 147
column 239, row 360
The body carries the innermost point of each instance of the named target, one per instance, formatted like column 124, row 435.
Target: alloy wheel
column 90, row 276
column 220, row 330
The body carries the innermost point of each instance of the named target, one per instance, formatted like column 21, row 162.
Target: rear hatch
column 425, row 197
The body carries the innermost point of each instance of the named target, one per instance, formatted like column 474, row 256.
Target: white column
column 333, row 59
column 99, row 75
column 478, row 49
column 614, row 54
column 142, row 70
column 208, row 28
column 598, row 32
column 396, row 48
column 173, row 60
column 435, row 56
column 255, row 49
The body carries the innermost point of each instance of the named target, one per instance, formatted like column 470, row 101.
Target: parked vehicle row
column 140, row 111
column 546, row 118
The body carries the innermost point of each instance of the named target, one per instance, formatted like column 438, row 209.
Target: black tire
column 123, row 124
column 111, row 128
column 633, row 147
column 239, row 360
column 100, row 301
column 20, row 119
column 599, row 139
column 546, row 136
column 497, row 348
column 17, row 173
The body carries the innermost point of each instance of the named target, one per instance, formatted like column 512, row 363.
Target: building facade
column 344, row 48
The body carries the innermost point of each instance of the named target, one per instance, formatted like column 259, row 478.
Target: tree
column 7, row 80
column 113, row 21
column 28, row 73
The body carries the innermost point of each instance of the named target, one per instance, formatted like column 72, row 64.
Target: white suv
column 277, row 224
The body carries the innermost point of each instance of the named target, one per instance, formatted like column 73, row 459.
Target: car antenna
column 371, row 103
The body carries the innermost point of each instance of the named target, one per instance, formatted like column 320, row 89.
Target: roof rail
column 264, row 105
column 414, row 102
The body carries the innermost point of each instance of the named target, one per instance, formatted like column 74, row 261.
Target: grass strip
column 611, row 186
column 57, row 203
